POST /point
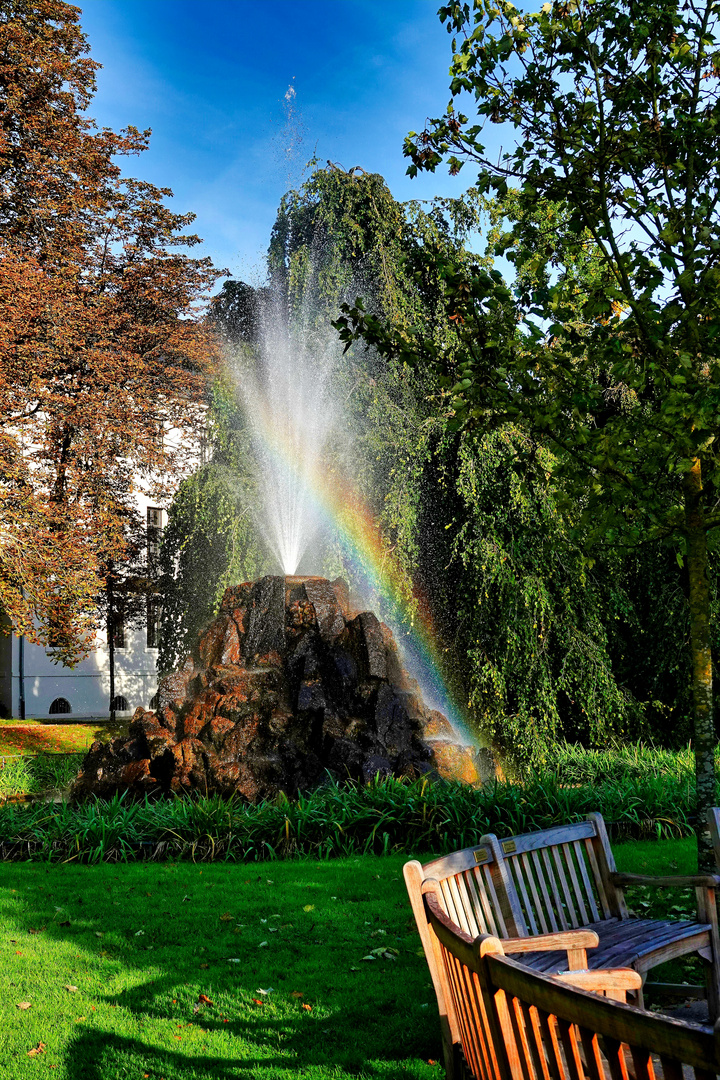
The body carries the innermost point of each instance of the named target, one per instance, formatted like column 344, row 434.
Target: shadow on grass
column 363, row 1018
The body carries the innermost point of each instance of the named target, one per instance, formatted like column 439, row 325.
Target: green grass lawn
column 142, row 942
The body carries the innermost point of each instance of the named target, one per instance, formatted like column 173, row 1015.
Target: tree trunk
column 702, row 683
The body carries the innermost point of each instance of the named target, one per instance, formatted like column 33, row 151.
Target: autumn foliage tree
column 102, row 347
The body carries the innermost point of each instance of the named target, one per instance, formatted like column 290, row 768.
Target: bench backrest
column 537, row 883
column 560, row 877
column 516, row 1024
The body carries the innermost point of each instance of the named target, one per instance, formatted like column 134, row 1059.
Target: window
column 155, row 701
column 59, row 705
column 154, row 614
column 119, row 704
column 118, row 630
column 154, row 536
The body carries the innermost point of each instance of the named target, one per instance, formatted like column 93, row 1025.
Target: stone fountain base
column 286, row 686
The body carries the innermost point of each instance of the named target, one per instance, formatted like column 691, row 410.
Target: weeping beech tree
column 615, row 114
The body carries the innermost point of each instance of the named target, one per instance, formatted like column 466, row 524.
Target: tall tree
column 101, row 350
column 615, row 108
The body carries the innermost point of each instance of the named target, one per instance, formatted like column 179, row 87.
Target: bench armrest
column 563, row 939
column 612, row 982
column 707, row 881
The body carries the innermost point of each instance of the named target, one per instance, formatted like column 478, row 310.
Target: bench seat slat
column 623, row 942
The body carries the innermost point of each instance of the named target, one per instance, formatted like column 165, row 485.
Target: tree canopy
column 101, row 350
column 613, row 109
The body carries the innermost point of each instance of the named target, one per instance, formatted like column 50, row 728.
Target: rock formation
column 286, row 685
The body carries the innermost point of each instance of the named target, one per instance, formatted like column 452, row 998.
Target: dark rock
column 286, row 685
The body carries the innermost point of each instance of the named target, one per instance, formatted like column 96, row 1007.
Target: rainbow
column 343, row 512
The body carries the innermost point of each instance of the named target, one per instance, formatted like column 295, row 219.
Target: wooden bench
column 519, row 1024
column 538, row 890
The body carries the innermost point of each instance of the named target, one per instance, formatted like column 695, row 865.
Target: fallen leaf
column 203, row 999
column 139, row 932
column 257, row 1001
column 262, row 945
column 78, row 1019
column 234, row 960
column 431, row 1061
column 227, row 917
column 307, row 1008
column 204, row 965
column 71, row 989
column 268, row 991
column 309, row 907
column 24, row 1005
column 369, row 958
column 98, row 933
column 39, row 1049
column 354, row 969
column 297, row 994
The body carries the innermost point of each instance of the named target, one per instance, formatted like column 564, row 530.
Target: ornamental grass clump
column 385, row 816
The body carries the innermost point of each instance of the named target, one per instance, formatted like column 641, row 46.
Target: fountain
column 286, row 685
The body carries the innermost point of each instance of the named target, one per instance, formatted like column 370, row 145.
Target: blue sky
column 210, row 78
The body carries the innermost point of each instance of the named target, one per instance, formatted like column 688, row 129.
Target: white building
column 33, row 687
column 48, row 689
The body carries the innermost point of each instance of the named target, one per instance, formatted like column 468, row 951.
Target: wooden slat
column 534, row 1037
column 530, row 877
column 449, row 901
column 559, row 910
column 570, row 862
column 493, row 898
column 468, row 908
column 643, row 1062
column 543, row 886
column 474, row 1018
column 457, row 861
column 548, row 1025
column 516, row 870
column 589, row 894
column 661, row 1034
column 598, row 879
column 460, row 916
column 568, row 1038
column 614, row 1052
column 518, row 1022
column 482, row 894
column 484, row 1032
column 593, row 1060
column 564, row 886
column 671, row 1067
column 456, row 971
column 561, row 834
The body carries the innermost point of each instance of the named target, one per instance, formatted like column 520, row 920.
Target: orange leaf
column 39, row 1049
column 204, row 1000
column 307, row 1008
